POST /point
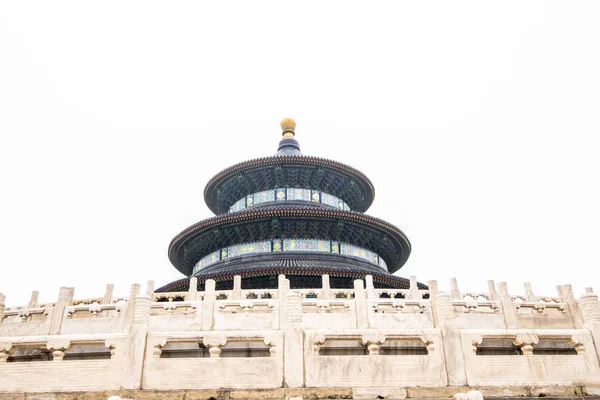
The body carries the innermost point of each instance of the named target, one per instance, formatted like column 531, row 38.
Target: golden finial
column 288, row 126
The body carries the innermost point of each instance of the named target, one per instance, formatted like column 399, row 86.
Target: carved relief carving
column 95, row 309
column 5, row 348
column 577, row 340
column 388, row 307
column 141, row 311
column 471, row 306
column 270, row 341
column 540, row 307
column 24, row 314
column 318, row 340
column 111, row 345
column 419, row 308
column 590, row 307
column 157, row 350
column 293, row 309
column 428, row 342
column 247, row 306
column 170, row 306
column 445, row 311
column 475, row 342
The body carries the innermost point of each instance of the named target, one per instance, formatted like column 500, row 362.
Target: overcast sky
column 477, row 122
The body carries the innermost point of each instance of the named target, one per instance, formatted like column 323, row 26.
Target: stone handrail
column 303, row 341
column 94, row 308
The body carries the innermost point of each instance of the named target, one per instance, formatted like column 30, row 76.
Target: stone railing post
column 414, row 289
column 508, row 308
column 492, row 290
column 136, row 343
column 529, row 293
column 433, row 292
column 33, row 302
column 2, row 307
column 455, row 364
column 454, row 289
column 193, row 289
column 325, row 288
column 128, row 318
column 108, row 294
column 150, row 289
column 565, row 292
column 360, row 303
column 293, row 357
column 208, row 305
column 370, row 287
column 237, row 288
column 65, row 297
column 590, row 307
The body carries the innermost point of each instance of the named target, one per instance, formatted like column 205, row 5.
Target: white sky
column 476, row 121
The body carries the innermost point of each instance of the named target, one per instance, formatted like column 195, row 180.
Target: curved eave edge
column 274, row 160
column 255, row 215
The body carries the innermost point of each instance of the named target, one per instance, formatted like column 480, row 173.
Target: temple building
column 289, row 214
column 289, row 294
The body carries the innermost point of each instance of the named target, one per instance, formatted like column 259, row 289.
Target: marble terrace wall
column 361, row 339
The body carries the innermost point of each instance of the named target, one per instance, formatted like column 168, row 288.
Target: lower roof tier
column 299, row 246
column 289, row 222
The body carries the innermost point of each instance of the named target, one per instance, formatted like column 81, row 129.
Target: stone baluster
column 193, row 289
column 360, row 302
column 370, row 287
column 33, row 301
column 414, row 289
column 565, row 293
column 492, row 290
column 325, row 288
column 529, row 293
column 293, row 366
column 590, row 307
column 65, row 297
column 214, row 344
column 128, row 318
column 208, row 305
column 373, row 341
column 2, row 307
column 108, row 294
column 526, row 341
column 446, row 320
column 136, row 342
column 508, row 308
column 58, row 347
column 433, row 291
column 237, row 288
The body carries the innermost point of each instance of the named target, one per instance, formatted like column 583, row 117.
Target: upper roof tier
column 289, row 168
